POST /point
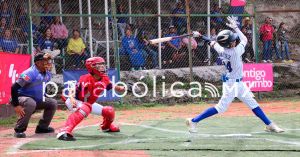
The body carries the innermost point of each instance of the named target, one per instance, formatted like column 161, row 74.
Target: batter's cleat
column 273, row 128
column 20, row 135
column 191, row 125
column 65, row 137
column 112, row 128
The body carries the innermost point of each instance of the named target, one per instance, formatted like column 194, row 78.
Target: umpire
column 27, row 96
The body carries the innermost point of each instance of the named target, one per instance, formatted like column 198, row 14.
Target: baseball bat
column 160, row 40
column 165, row 39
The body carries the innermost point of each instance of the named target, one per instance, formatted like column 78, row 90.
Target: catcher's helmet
column 226, row 37
column 92, row 67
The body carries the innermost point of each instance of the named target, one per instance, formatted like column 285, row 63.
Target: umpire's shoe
column 40, row 130
column 65, row 137
column 20, row 135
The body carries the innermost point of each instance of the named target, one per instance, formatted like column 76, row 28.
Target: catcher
column 88, row 89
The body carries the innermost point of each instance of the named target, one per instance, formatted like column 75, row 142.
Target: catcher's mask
column 96, row 66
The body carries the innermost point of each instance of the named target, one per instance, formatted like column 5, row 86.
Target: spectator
column 237, row 7
column 8, row 44
column 21, row 16
column 46, row 21
column 172, row 47
column 217, row 22
column 214, row 53
column 59, row 33
column 275, row 44
column 266, row 31
column 3, row 25
column 143, row 38
column 179, row 22
column 76, row 50
column 27, row 96
column 131, row 47
column 248, row 56
column 46, row 42
column 7, row 14
column 249, row 53
column 283, row 43
column 122, row 21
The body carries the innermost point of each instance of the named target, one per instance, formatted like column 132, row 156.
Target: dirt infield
column 9, row 145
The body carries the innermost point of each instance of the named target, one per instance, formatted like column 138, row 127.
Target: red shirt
column 89, row 89
column 267, row 31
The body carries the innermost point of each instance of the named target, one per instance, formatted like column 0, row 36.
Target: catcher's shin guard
column 108, row 114
column 76, row 117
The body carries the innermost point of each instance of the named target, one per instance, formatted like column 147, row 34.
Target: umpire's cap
column 42, row 56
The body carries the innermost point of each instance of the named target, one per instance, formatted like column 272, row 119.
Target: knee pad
column 108, row 113
column 85, row 109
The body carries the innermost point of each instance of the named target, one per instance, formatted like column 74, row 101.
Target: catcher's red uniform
column 88, row 90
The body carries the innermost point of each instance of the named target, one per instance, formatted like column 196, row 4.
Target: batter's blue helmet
column 226, row 37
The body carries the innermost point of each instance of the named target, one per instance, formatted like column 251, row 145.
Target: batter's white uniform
column 232, row 84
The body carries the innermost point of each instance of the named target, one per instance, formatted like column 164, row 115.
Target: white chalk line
column 15, row 148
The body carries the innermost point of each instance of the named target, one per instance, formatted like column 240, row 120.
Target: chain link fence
column 65, row 26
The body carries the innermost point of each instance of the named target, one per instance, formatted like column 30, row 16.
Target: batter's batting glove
column 196, row 34
column 232, row 22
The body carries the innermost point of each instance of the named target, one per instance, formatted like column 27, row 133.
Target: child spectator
column 132, row 48
column 283, row 43
column 8, row 44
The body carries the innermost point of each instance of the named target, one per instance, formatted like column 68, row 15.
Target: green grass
column 9, row 121
column 170, row 138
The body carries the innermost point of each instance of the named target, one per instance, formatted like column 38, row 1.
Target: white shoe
column 264, row 61
column 273, row 128
column 269, row 61
column 191, row 125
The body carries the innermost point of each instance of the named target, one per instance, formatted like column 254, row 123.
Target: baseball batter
column 231, row 54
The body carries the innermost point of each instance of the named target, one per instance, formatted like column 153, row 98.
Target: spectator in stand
column 248, row 56
column 8, row 43
column 132, row 48
column 214, row 53
column 3, row 25
column 143, row 38
column 21, row 16
column 217, row 22
column 283, row 43
column 275, row 44
column 46, row 41
column 266, row 33
column 7, row 14
column 171, row 47
column 237, row 7
column 122, row 21
column 59, row 33
column 76, row 50
column 179, row 22
column 46, row 21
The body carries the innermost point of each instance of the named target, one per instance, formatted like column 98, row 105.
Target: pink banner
column 258, row 77
column 236, row 3
column 11, row 67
